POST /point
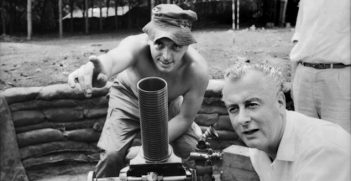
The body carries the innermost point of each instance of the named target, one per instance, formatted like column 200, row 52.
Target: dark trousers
column 111, row 162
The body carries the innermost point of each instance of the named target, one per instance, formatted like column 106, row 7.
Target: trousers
column 122, row 129
column 323, row 94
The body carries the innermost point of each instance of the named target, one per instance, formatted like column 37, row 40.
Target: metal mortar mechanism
column 156, row 160
column 205, row 156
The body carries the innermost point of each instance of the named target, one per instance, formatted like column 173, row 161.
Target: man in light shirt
column 321, row 72
column 284, row 145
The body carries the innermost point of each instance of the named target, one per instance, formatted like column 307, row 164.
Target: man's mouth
column 165, row 62
column 250, row 132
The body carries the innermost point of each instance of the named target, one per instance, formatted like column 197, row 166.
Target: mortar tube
column 153, row 106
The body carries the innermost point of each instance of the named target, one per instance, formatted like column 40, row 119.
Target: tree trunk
column 3, row 17
column 282, row 12
column 269, row 11
column 92, row 8
column 86, row 16
column 71, row 9
column 237, row 13
column 29, row 19
column 100, row 19
column 107, row 7
column 129, row 15
column 60, row 17
column 233, row 15
column 116, row 14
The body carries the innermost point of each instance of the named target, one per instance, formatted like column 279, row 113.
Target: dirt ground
column 49, row 60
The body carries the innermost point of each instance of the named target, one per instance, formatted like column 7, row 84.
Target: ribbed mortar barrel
column 153, row 104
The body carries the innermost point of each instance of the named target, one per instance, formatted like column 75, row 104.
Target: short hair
column 239, row 69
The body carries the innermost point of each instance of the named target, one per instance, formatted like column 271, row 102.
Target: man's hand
column 286, row 86
column 87, row 76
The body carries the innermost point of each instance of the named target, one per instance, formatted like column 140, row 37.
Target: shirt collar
column 286, row 150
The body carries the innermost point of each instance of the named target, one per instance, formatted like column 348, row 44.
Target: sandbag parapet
column 57, row 127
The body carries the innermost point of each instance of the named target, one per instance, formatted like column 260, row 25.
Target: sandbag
column 11, row 167
column 39, row 136
column 42, row 125
column 71, row 168
column 63, row 114
column 223, row 123
column 96, row 112
column 206, row 119
column 222, row 144
column 62, row 91
column 214, row 88
column 95, row 102
column 83, row 135
column 209, row 109
column 41, row 104
column 95, row 123
column 98, row 126
column 23, row 118
column 214, row 101
column 60, row 157
column 20, row 94
column 227, row 135
column 56, row 147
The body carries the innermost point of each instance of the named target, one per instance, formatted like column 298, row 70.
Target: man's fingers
column 99, row 78
column 72, row 79
column 82, row 79
column 287, row 86
column 88, row 85
column 87, row 78
column 95, row 60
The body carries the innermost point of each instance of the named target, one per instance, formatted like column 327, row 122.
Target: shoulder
column 198, row 68
column 315, row 134
column 134, row 42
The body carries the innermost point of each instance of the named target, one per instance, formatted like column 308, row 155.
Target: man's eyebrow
column 230, row 104
column 253, row 99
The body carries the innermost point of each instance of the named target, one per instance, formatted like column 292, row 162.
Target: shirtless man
column 163, row 51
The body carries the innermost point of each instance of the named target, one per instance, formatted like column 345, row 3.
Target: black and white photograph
column 175, row 90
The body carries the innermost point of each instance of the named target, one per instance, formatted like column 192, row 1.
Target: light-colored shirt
column 323, row 32
column 310, row 150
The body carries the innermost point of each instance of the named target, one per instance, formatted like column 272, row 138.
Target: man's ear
column 149, row 42
column 281, row 99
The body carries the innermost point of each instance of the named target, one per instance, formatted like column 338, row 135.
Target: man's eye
column 251, row 105
column 158, row 45
column 177, row 47
column 232, row 110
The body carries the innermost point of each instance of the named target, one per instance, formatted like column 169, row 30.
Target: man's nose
column 243, row 118
column 166, row 54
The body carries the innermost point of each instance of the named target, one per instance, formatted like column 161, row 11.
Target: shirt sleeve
column 296, row 35
column 324, row 164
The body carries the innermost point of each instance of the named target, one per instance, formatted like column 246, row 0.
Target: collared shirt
column 310, row 150
column 323, row 32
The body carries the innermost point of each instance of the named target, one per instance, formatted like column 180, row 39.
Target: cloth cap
column 171, row 21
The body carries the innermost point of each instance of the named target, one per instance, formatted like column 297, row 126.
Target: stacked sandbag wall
column 57, row 128
column 214, row 113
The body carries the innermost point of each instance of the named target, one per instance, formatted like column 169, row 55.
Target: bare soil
column 49, row 60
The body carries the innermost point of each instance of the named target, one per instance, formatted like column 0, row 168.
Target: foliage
column 45, row 12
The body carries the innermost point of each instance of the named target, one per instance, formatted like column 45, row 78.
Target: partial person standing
column 321, row 71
